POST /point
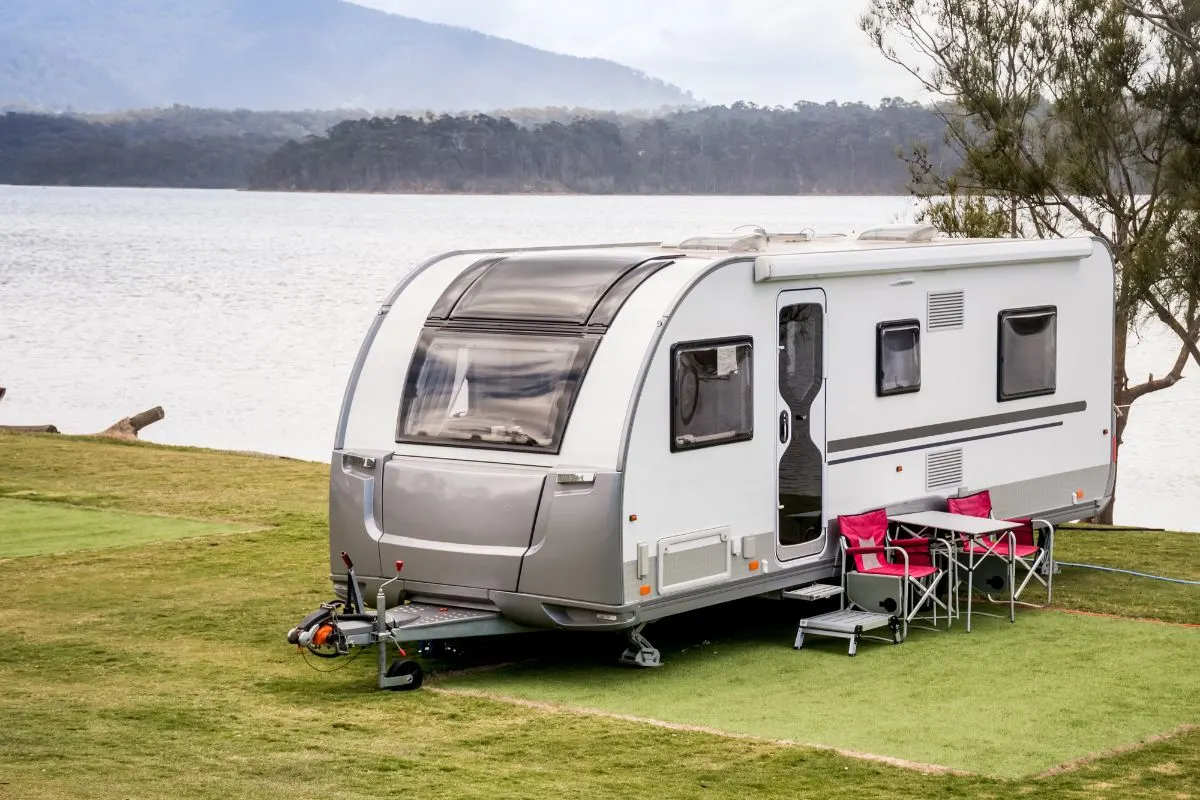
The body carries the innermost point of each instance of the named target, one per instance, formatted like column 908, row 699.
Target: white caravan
column 596, row 437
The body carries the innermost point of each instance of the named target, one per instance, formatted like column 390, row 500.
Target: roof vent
column 728, row 242
column 805, row 235
column 946, row 311
column 899, row 233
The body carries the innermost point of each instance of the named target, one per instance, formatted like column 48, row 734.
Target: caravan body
column 592, row 438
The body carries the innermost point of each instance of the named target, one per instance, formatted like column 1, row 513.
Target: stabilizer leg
column 640, row 652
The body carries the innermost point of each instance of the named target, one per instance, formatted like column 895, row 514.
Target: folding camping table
column 972, row 528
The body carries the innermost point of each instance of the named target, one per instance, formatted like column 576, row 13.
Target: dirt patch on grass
column 1083, row 761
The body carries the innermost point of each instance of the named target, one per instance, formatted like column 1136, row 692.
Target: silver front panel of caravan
column 576, row 547
column 355, row 512
column 459, row 523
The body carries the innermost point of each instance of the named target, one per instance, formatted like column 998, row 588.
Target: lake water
column 241, row 313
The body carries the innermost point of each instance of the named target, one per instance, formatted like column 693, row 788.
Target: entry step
column 814, row 591
column 848, row 624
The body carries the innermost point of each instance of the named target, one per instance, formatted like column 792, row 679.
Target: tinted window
column 898, row 357
column 1028, row 352
column 548, row 287
column 712, row 398
column 491, row 390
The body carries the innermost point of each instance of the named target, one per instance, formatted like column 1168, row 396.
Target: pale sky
column 765, row 51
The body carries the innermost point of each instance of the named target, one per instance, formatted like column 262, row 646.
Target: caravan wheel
column 399, row 668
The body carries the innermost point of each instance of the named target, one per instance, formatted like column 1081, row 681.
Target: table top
column 955, row 523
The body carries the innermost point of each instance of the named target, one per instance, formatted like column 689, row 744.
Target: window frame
column 588, row 345
column 708, row 344
column 882, row 328
column 1003, row 315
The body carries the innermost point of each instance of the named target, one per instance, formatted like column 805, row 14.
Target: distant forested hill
column 104, row 55
column 181, row 147
column 807, row 149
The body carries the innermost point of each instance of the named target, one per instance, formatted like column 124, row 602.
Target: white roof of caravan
column 899, row 248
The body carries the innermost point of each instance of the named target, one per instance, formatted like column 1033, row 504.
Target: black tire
column 412, row 668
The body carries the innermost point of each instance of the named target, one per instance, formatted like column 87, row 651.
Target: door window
column 801, row 367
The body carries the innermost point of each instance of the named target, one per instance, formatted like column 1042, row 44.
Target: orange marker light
column 753, row 566
column 899, row 468
column 1079, row 494
column 633, row 517
column 645, row 590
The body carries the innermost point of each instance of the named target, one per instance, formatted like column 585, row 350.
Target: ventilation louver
column 944, row 469
column 947, row 311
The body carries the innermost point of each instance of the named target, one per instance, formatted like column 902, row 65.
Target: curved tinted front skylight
column 551, row 287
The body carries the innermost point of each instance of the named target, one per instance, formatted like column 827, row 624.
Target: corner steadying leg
column 640, row 652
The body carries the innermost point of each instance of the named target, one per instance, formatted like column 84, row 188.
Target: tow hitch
column 340, row 627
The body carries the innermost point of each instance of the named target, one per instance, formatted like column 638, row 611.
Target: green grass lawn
column 161, row 670
column 1006, row 699
column 30, row 529
column 1174, row 555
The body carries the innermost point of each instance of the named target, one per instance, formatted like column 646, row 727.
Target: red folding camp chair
column 864, row 537
column 1019, row 549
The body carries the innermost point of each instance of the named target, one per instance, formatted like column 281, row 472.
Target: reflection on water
column 241, row 313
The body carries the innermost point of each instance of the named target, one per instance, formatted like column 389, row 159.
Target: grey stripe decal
column 958, row 426
column 944, row 443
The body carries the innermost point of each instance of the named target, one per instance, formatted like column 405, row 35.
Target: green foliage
column 1075, row 116
column 969, row 216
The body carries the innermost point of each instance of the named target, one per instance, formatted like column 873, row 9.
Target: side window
column 712, row 393
column 898, row 357
column 1028, row 352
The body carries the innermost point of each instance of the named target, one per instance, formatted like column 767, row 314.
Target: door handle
column 783, row 426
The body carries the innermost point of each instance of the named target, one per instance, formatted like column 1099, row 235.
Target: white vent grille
column 947, row 311
column 944, row 469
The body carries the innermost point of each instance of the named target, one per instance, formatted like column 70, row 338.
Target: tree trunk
column 1120, row 395
column 129, row 427
column 1105, row 517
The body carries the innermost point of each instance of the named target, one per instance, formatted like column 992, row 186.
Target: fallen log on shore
column 129, row 427
column 126, row 429
column 28, row 429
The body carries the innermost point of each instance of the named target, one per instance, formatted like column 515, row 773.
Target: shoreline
column 439, row 193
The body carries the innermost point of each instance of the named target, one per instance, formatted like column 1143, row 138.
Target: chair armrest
column 917, row 543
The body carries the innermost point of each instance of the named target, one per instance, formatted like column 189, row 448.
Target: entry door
column 800, row 424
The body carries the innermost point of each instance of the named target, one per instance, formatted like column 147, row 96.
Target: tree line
column 174, row 147
column 740, row 149
column 809, row 148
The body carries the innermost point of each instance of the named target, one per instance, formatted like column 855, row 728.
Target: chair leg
column 1012, row 587
column 1050, row 568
